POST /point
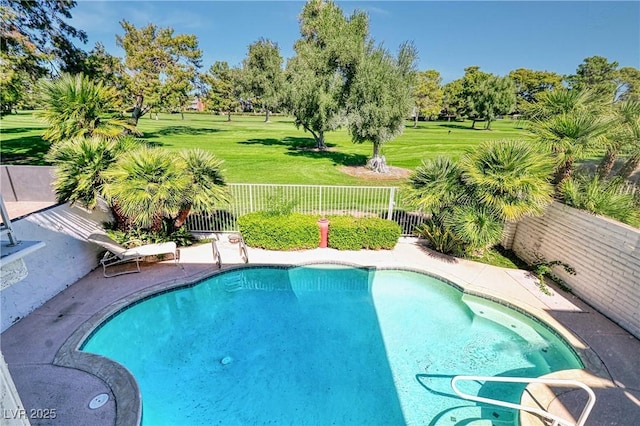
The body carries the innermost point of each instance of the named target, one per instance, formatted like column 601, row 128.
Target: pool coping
column 127, row 393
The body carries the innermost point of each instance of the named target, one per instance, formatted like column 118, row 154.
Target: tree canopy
column 321, row 71
column 263, row 74
column 380, row 99
column 428, row 94
column 160, row 66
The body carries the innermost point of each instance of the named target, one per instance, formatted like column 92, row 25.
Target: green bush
column 279, row 232
column 297, row 231
column 352, row 233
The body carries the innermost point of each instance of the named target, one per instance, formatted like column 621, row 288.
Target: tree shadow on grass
column 458, row 126
column 180, row 130
column 292, row 143
column 22, row 129
column 28, row 150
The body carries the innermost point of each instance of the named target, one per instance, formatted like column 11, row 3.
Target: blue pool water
column 324, row 345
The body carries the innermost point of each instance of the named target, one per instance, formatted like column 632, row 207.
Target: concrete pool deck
column 31, row 345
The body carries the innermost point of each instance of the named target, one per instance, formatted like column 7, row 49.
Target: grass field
column 276, row 152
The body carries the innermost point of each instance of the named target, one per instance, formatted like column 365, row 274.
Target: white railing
column 535, row 410
column 379, row 201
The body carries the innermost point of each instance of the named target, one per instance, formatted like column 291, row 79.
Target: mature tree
column 320, row 73
column 628, row 84
column 380, row 99
column 264, row 74
column 569, row 122
column 75, row 106
column 470, row 86
column 453, row 101
column 530, row 83
column 597, row 75
column 223, row 88
column 101, row 66
column 428, row 95
column 39, row 29
column 492, row 97
column 159, row 66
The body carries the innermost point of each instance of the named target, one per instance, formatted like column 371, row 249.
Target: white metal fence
column 379, row 201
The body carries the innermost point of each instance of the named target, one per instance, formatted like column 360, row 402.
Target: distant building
column 196, row 105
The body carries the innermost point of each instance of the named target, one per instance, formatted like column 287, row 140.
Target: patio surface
column 612, row 355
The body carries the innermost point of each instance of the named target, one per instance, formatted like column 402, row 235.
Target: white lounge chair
column 117, row 254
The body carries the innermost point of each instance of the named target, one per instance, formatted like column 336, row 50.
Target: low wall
column 604, row 253
column 27, row 183
column 66, row 258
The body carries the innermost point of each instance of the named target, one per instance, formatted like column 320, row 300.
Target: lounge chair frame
column 117, row 254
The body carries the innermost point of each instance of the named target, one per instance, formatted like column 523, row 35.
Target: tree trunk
column 415, row 121
column 229, row 115
column 137, row 109
column 473, row 126
column 266, row 119
column 564, row 172
column 378, row 163
column 182, row 216
column 605, row 166
column 182, row 114
column 488, row 126
column 318, row 137
column 121, row 221
column 629, row 167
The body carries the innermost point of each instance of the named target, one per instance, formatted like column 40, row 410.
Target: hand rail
column 557, row 382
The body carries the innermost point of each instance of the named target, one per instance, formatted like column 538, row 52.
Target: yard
column 275, row 152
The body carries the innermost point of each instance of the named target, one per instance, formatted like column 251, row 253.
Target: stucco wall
column 604, row 253
column 66, row 257
column 27, row 183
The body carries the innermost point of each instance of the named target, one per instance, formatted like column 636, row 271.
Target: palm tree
column 469, row 201
column 207, row 184
column 148, row 184
column 568, row 122
column 76, row 106
column 625, row 134
column 509, row 177
column 155, row 186
column 79, row 167
column 435, row 185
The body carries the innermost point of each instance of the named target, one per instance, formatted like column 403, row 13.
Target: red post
column 324, row 232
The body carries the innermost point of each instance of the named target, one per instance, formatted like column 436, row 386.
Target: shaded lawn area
column 257, row 152
column 21, row 140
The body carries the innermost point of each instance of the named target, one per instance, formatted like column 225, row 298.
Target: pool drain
column 98, row 401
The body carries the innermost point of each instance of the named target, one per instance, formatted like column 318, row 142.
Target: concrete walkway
column 30, row 345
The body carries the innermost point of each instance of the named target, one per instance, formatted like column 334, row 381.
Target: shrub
column 344, row 233
column 351, row 233
column 297, row 231
column 603, row 197
column 441, row 238
column 279, row 232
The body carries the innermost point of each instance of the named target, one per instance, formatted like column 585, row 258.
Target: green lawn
column 277, row 152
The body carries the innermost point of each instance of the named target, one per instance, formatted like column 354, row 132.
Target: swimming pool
column 324, row 344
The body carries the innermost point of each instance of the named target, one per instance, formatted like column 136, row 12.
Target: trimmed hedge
column 279, row 232
column 356, row 233
column 297, row 231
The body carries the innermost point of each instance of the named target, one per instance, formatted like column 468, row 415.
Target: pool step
column 477, row 416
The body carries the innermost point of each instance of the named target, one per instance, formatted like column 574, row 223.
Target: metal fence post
column 392, row 196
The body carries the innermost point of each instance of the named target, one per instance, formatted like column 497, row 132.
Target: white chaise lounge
column 117, row 254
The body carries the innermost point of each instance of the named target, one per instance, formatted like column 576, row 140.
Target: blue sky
column 499, row 36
